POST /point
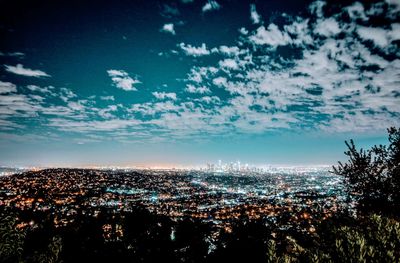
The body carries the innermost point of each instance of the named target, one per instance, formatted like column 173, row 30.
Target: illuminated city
column 221, row 195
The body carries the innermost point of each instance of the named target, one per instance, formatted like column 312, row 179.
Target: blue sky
column 187, row 82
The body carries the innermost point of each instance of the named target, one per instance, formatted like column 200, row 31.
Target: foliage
column 376, row 239
column 52, row 253
column 373, row 176
column 147, row 238
column 11, row 239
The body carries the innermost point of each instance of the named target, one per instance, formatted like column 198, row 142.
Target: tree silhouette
column 372, row 176
column 11, row 239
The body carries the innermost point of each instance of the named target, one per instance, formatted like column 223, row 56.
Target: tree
column 372, row 176
column 11, row 239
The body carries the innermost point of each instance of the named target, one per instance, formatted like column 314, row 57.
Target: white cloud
column 220, row 81
column 164, row 95
column 357, row 11
column 12, row 54
column 93, row 126
column 317, row 8
column 107, row 113
column 76, row 106
column 377, row 35
column 122, row 80
column 358, row 122
column 107, row 98
column 381, row 37
column 20, row 70
column 327, row 27
column 197, row 74
column 394, row 34
column 301, row 31
column 271, row 36
column 9, row 125
column 210, row 6
column 168, row 28
column 7, row 87
column 72, row 114
column 66, row 94
column 254, row 16
column 210, row 100
column 153, row 108
column 30, row 105
column 229, row 64
column 243, row 31
column 195, row 51
column 200, row 90
column 229, row 51
column 49, row 90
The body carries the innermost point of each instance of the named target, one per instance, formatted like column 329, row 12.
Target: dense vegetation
column 372, row 176
column 372, row 235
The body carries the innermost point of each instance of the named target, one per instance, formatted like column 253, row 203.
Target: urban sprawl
column 219, row 194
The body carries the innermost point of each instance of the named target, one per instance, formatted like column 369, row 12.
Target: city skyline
column 182, row 83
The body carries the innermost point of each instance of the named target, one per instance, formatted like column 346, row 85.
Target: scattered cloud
column 12, row 54
column 49, row 90
column 190, row 50
column 66, row 94
column 243, row 31
column 328, row 27
column 254, row 16
column 168, row 28
column 272, row 36
column 198, row 74
column 329, row 73
column 164, row 95
column 381, row 37
column 14, row 105
column 93, row 126
column 210, row 100
column 316, row 8
column 211, row 6
column 122, row 80
column 229, row 64
column 107, row 98
column 356, row 11
column 20, row 70
column 200, row 90
column 336, row 83
column 220, row 82
column 227, row 51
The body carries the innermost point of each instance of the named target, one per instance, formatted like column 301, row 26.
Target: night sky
column 185, row 82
